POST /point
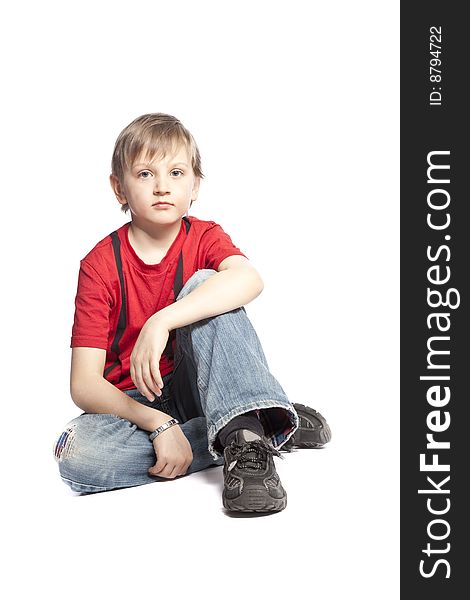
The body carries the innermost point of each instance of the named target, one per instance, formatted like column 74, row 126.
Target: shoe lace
column 252, row 455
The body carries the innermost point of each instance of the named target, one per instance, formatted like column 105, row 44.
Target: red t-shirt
column 149, row 288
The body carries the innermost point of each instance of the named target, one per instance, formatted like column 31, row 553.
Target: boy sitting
column 166, row 365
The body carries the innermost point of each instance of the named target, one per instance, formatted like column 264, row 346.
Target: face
column 169, row 181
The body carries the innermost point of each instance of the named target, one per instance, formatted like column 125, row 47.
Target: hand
column 145, row 358
column 174, row 454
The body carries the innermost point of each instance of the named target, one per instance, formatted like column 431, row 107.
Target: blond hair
column 155, row 135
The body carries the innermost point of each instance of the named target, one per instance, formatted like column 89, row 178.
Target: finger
column 132, row 371
column 135, row 374
column 176, row 472
column 187, row 466
column 183, row 471
column 163, row 464
column 155, row 373
column 141, row 385
column 156, row 386
column 184, row 468
column 148, row 381
column 137, row 379
column 158, row 467
column 166, row 472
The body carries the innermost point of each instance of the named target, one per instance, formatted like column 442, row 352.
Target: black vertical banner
column 435, row 358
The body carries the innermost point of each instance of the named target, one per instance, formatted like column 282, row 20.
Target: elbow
column 80, row 393
column 75, row 388
column 72, row 389
column 257, row 285
column 76, row 396
column 260, row 286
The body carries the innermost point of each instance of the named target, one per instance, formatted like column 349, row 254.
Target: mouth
column 162, row 204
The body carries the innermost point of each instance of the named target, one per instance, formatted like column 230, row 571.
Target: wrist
column 157, row 420
column 170, row 423
column 161, row 319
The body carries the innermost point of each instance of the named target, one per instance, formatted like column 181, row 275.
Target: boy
column 165, row 363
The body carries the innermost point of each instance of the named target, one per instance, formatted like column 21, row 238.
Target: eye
column 177, row 171
column 144, row 174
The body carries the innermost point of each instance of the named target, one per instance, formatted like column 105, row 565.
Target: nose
column 161, row 187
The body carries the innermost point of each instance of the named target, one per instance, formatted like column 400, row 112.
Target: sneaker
column 251, row 483
column 313, row 430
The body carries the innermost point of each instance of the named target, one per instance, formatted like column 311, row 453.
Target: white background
column 294, row 106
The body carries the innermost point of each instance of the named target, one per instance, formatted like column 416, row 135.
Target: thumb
column 157, row 467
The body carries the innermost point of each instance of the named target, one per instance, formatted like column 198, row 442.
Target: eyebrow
column 149, row 164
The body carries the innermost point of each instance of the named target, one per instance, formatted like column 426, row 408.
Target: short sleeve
column 92, row 310
column 215, row 246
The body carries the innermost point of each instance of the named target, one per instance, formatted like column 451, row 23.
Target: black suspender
column 177, row 287
column 122, row 322
column 178, row 282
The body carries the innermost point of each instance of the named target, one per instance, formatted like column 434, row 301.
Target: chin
column 164, row 218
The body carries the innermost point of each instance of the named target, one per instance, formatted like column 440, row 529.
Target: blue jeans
column 220, row 372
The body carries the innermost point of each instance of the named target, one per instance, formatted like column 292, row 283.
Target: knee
column 76, row 450
column 65, row 450
column 195, row 280
column 64, row 446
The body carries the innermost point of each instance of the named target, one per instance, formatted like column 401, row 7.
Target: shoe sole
column 254, row 500
column 309, row 437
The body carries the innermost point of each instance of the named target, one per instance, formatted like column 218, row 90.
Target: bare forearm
column 96, row 395
column 222, row 292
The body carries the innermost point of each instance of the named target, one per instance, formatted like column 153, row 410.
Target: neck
column 148, row 238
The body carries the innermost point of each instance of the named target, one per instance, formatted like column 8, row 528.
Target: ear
column 117, row 189
column 195, row 190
